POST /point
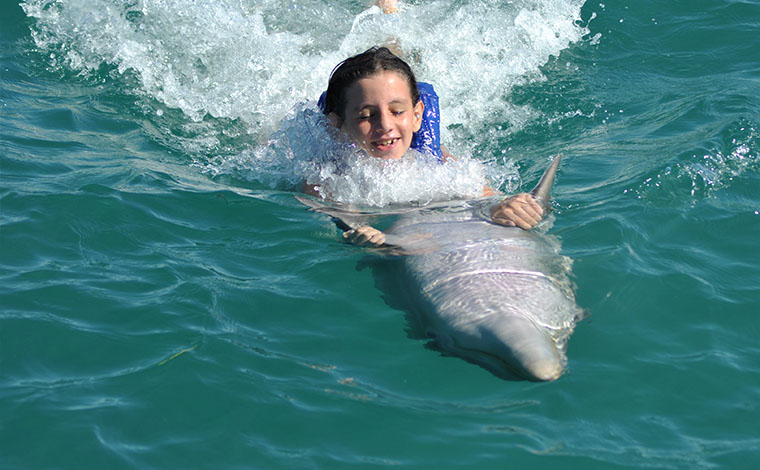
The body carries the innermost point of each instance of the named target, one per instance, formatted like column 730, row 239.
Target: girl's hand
column 365, row 236
column 521, row 210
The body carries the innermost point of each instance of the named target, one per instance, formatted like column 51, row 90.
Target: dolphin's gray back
column 479, row 286
column 508, row 256
column 497, row 296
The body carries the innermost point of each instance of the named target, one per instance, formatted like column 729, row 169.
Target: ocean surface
column 166, row 302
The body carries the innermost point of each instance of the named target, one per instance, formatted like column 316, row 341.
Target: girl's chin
column 394, row 154
column 389, row 157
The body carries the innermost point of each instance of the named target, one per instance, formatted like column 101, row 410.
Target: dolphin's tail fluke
column 542, row 191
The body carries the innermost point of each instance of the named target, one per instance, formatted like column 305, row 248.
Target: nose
column 384, row 122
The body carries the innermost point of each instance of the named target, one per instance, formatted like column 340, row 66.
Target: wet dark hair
column 366, row 64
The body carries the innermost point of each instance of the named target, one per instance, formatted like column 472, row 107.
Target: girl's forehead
column 384, row 86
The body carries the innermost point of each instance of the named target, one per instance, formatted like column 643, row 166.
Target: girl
column 374, row 98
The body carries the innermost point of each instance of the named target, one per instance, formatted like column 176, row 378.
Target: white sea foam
column 705, row 174
column 307, row 148
column 245, row 75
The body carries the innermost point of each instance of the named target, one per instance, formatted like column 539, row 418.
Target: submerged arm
column 353, row 232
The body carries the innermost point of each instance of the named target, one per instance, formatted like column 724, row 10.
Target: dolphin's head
column 515, row 349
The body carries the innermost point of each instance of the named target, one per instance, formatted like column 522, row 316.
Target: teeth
column 387, row 142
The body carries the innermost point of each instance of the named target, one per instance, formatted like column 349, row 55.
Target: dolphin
column 499, row 297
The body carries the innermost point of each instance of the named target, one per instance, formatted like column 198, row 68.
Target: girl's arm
column 363, row 236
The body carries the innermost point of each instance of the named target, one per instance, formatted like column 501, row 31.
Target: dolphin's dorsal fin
column 542, row 191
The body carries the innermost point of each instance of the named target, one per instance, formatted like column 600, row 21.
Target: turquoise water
column 167, row 303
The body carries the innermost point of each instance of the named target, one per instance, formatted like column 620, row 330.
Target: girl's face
column 380, row 115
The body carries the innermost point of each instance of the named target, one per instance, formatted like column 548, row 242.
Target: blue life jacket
column 428, row 138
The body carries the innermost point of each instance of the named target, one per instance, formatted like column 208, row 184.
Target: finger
column 501, row 216
column 374, row 236
column 529, row 212
column 362, row 231
column 526, row 215
column 522, row 222
column 365, row 235
column 536, row 206
column 367, row 230
column 354, row 236
column 529, row 204
column 503, row 221
column 368, row 234
column 529, row 209
column 526, row 198
column 378, row 238
column 514, row 213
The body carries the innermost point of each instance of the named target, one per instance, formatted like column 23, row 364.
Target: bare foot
column 388, row 6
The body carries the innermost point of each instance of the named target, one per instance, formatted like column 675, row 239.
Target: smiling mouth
column 385, row 144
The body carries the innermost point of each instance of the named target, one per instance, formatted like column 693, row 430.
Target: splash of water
column 307, row 148
column 242, row 76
